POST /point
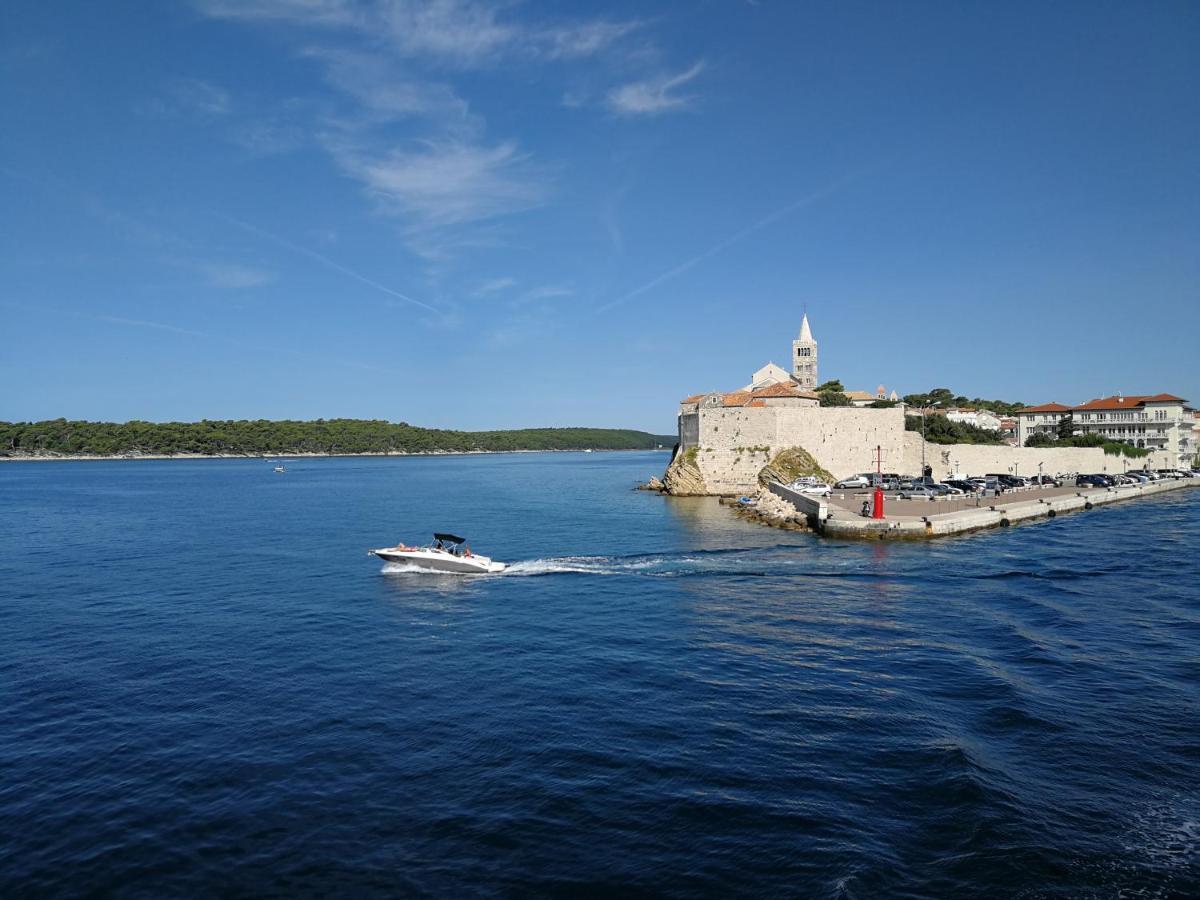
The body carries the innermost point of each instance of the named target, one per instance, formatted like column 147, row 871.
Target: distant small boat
column 448, row 554
column 588, row 450
column 280, row 469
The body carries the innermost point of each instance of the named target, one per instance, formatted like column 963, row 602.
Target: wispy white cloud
column 493, row 285
column 189, row 97
column 441, row 183
column 341, row 13
column 229, row 275
column 384, row 89
column 465, row 33
column 654, row 95
column 326, row 261
column 544, row 292
column 728, row 242
column 158, row 326
column 175, row 250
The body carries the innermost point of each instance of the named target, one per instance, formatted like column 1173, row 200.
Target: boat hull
column 445, row 563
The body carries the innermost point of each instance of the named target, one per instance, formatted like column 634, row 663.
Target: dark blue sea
column 208, row 689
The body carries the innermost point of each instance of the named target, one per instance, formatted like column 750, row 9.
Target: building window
column 804, row 351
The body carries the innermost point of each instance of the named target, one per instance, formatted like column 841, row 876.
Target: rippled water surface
column 207, row 688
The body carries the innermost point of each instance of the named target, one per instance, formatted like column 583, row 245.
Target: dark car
column 1090, row 481
column 1046, row 480
column 967, row 487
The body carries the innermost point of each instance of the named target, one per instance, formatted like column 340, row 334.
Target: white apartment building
column 1153, row 422
column 980, row 418
column 1044, row 419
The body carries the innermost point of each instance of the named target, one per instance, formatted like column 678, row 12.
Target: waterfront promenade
column 840, row 515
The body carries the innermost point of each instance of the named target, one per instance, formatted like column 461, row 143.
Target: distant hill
column 60, row 437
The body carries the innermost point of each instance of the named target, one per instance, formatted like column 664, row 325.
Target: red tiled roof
column 1117, row 402
column 695, row 398
column 1045, row 407
column 784, row 389
column 737, row 398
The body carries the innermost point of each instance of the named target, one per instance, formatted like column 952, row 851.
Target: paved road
column 842, row 502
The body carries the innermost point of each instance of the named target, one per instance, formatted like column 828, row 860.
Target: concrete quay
column 922, row 519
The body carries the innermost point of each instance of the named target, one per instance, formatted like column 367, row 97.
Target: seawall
column 841, row 523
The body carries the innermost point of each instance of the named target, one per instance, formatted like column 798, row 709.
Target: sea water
column 207, row 688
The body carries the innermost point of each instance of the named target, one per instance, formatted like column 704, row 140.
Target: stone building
column 804, row 357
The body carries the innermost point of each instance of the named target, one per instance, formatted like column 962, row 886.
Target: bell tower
column 804, row 357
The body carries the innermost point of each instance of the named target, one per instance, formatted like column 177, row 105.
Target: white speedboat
column 447, row 553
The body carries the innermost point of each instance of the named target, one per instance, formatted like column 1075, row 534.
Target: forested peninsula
column 261, row 437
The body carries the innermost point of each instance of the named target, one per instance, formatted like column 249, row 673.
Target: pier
column 840, row 514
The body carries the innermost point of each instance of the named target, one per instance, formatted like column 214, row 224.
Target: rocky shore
column 767, row 509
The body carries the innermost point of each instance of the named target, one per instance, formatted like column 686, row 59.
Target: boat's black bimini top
column 449, row 538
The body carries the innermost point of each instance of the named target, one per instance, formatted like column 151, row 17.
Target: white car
column 854, row 481
column 816, row 490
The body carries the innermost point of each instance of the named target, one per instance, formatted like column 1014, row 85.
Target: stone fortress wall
column 733, row 444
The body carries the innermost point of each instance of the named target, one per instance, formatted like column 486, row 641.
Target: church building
column 804, row 376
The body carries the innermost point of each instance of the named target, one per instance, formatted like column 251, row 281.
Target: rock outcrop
column 788, row 465
column 683, row 477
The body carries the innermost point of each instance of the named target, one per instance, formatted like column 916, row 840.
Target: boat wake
column 727, row 563
column 745, row 563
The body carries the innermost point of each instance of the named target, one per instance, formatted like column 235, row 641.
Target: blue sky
column 480, row 215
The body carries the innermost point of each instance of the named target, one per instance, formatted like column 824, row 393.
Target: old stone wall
column 733, row 444
column 732, row 471
column 947, row 460
column 843, row 439
column 689, row 430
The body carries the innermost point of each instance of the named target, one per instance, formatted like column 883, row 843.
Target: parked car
column 967, row 487
column 816, row 490
column 987, row 485
column 947, row 488
column 918, row 493
column 1136, row 477
column 854, row 481
column 1087, row 481
column 1046, row 481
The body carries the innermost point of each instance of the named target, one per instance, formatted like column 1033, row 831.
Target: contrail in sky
column 729, row 242
column 326, row 261
column 163, row 326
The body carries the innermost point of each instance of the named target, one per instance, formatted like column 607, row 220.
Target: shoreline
column 276, row 457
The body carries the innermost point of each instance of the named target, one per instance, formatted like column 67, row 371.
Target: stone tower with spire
column 804, row 357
